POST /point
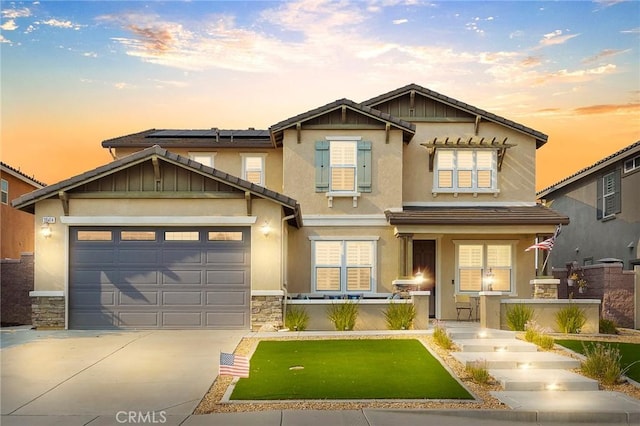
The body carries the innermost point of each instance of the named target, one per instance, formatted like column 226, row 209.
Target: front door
column 424, row 261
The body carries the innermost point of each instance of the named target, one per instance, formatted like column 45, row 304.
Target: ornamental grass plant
column 343, row 315
column 518, row 316
column 441, row 337
column 296, row 319
column 603, row 363
column 400, row 316
column 570, row 319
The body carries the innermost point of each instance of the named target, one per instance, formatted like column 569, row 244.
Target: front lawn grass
column 630, row 353
column 346, row 369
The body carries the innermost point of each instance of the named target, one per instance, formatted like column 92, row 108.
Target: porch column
column 405, row 261
column 490, row 309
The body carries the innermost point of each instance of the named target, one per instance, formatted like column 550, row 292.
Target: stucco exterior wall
column 52, row 253
column 17, row 226
column 299, row 173
column 516, row 180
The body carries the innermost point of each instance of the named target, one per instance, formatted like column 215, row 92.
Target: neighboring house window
column 5, row 192
column 608, row 195
column 253, row 168
column 343, row 165
column 478, row 262
column 344, row 265
column 632, row 164
column 205, row 158
column 466, row 170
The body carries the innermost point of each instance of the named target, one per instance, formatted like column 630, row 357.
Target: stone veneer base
column 47, row 311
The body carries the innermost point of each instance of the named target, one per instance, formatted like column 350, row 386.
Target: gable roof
column 193, row 138
column 27, row 202
column 20, row 175
column 407, row 128
column 540, row 137
column 632, row 149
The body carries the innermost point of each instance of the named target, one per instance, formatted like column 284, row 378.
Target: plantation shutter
column 617, row 197
column 322, row 166
column 599, row 191
column 364, row 166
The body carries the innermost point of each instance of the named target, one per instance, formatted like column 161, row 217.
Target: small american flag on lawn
column 233, row 365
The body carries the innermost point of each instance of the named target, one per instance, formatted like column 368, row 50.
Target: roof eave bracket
column 64, row 199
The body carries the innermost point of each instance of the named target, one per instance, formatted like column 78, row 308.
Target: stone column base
column 48, row 311
column 266, row 313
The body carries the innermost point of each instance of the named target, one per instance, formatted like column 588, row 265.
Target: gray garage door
column 159, row 277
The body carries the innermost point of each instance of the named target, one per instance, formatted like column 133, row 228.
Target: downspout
column 283, row 265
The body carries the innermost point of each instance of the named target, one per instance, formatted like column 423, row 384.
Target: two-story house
column 212, row 228
column 605, row 200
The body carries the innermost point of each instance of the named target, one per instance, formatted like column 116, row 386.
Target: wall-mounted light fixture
column 266, row 229
column 419, row 277
column 45, row 230
column 488, row 280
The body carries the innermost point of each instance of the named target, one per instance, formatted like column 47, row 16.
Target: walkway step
column 540, row 380
column 524, row 360
column 495, row 345
column 478, row 333
column 574, row 404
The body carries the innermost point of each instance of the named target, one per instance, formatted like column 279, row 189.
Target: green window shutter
column 322, row 166
column 617, row 198
column 364, row 166
column 599, row 197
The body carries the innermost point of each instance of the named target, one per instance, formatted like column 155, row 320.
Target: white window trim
column 4, row 181
column 485, row 243
column 455, row 190
column 633, row 164
column 344, row 240
column 606, row 195
column 263, row 159
column 344, row 194
column 193, row 154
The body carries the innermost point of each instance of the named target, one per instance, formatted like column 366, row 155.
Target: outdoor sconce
column 419, row 277
column 45, row 230
column 488, row 280
column 266, row 229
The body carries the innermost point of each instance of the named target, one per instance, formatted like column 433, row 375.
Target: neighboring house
column 17, row 226
column 603, row 202
column 342, row 199
column 16, row 247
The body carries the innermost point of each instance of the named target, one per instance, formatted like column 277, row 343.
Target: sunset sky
column 77, row 73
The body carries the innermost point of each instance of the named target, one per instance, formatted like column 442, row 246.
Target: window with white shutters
column 465, row 170
column 477, row 262
column 344, row 265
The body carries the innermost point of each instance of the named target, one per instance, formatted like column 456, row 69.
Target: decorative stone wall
column 607, row 282
column 47, row 311
column 16, row 281
column 266, row 313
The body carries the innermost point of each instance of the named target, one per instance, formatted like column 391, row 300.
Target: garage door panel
column 182, row 277
column 138, row 256
column 227, row 320
column 95, row 298
column 181, row 256
column 177, row 298
column 194, row 283
column 226, row 277
column 226, row 298
column 138, row 298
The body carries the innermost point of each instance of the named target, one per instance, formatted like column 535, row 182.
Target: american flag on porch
column 546, row 244
column 233, row 365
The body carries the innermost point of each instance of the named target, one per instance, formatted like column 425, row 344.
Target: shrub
column 602, row 363
column 296, row 319
column 518, row 316
column 400, row 316
column 570, row 319
column 478, row 372
column 608, row 327
column 535, row 334
column 441, row 337
column 544, row 341
column 343, row 315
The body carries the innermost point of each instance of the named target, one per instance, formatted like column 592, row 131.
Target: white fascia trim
column 343, row 138
column 46, row 293
column 345, row 220
column 267, row 293
column 158, row 220
column 469, row 204
column 342, row 238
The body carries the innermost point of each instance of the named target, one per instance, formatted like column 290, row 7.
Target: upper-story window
column 5, row 192
column 632, row 164
column 205, row 158
column 465, row 170
column 343, row 165
column 609, row 201
column 253, row 168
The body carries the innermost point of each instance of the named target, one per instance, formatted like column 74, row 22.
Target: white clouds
column 4, row 40
column 631, row 31
column 399, row 21
column 57, row 23
column 555, row 38
column 90, row 54
column 10, row 25
column 16, row 13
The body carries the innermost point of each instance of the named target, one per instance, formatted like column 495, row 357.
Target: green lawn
column 630, row 352
column 346, row 369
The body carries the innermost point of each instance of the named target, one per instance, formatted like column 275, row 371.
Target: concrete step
column 478, row 333
column 579, row 406
column 524, row 360
column 495, row 345
column 542, row 379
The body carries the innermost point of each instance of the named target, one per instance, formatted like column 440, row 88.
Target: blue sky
column 75, row 73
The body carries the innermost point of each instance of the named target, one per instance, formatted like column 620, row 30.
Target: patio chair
column 463, row 303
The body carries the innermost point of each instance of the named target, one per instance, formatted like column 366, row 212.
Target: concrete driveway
column 78, row 373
